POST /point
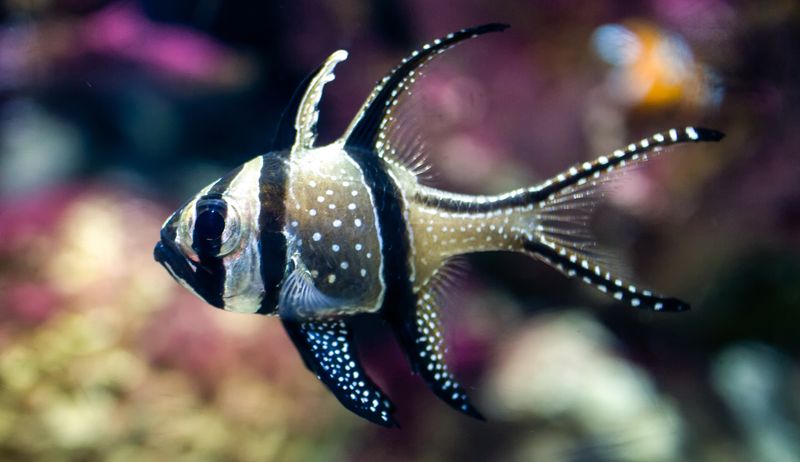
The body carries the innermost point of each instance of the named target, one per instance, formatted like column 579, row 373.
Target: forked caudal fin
column 562, row 210
column 552, row 221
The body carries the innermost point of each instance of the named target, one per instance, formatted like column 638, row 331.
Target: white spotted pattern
column 329, row 228
column 339, row 368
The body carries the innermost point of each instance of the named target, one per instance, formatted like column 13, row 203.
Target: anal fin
column 420, row 335
column 328, row 350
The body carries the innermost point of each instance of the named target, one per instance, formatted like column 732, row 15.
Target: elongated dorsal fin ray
column 298, row 126
column 365, row 129
column 308, row 112
column 328, row 350
column 420, row 335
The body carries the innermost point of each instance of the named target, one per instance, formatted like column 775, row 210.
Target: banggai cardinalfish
column 317, row 234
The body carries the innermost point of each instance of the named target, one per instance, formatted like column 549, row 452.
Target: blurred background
column 114, row 112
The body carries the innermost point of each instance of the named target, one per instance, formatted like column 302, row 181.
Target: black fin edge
column 619, row 157
column 708, row 134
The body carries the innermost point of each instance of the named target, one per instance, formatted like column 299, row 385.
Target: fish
column 317, row 234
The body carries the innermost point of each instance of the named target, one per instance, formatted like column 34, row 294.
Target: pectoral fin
column 300, row 298
column 328, row 350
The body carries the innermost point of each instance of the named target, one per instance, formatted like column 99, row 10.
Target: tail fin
column 561, row 210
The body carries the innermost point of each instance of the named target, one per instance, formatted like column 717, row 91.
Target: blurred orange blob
column 652, row 67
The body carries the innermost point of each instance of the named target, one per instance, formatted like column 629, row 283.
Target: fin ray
column 591, row 272
column 551, row 221
column 299, row 298
column 580, row 175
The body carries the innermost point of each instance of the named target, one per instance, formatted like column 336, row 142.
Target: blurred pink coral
column 184, row 337
column 123, row 348
column 121, row 30
column 27, row 303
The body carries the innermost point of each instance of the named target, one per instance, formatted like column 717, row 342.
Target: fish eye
column 217, row 227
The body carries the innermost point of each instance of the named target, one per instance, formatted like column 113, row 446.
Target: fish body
column 316, row 234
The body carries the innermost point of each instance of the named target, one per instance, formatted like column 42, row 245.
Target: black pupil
column 208, row 225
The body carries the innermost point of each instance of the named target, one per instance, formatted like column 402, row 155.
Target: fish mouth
column 197, row 279
column 174, row 262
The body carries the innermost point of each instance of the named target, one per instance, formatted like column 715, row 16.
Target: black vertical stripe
column 272, row 197
column 399, row 304
column 399, row 301
column 271, row 220
column 209, row 279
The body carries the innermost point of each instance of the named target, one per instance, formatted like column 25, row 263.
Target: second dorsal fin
column 366, row 129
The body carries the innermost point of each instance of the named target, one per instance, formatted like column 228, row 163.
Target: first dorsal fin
column 365, row 129
column 298, row 126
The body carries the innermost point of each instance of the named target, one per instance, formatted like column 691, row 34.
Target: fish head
column 209, row 245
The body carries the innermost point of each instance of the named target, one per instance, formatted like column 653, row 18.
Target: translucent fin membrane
column 566, row 217
column 402, row 139
column 300, row 299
